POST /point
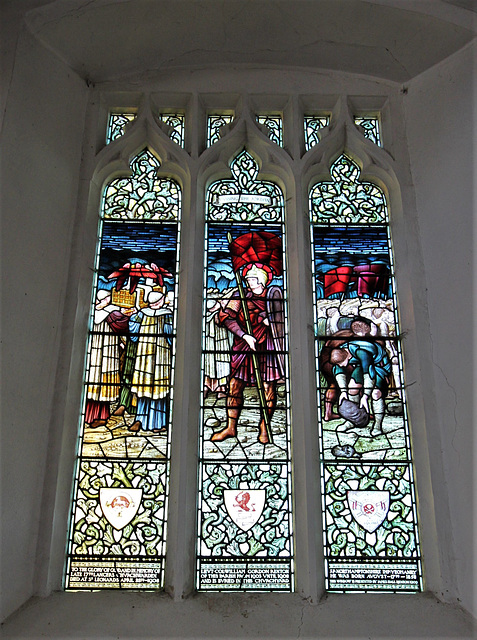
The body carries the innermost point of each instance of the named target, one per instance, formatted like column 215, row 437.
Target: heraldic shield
column 244, row 506
column 369, row 508
column 119, row 505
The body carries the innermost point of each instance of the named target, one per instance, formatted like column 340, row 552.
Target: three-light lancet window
column 245, row 522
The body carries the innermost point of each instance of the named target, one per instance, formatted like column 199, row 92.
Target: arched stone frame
column 310, row 581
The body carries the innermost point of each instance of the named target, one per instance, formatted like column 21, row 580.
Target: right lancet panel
column 369, row 504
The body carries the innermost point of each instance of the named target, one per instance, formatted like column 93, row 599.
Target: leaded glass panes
column 345, row 200
column 176, row 123
column 369, row 126
column 245, row 518
column 312, row 125
column 118, row 519
column 117, row 125
column 370, row 521
column 275, row 127
column 214, row 124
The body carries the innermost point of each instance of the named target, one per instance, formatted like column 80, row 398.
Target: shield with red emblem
column 119, row 505
column 369, row 508
column 244, row 506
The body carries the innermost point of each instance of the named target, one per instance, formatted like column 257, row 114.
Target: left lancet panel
column 117, row 535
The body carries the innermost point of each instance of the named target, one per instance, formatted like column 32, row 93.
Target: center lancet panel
column 244, row 511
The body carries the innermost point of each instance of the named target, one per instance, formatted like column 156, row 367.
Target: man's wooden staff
column 256, row 368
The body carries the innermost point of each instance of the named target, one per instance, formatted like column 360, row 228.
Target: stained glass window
column 370, row 521
column 214, row 124
column 176, row 123
column 313, row 124
column 118, row 519
column 275, row 127
column 369, row 126
column 117, row 125
column 245, row 518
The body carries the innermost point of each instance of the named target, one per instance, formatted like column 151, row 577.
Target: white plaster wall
column 42, row 142
column 41, row 152
column 114, row 616
column 441, row 116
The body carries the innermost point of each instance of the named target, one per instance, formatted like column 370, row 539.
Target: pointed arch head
column 143, row 195
column 243, row 197
column 345, row 199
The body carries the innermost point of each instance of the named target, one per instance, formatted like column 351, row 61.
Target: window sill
column 114, row 615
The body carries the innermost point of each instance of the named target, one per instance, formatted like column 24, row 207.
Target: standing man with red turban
column 264, row 304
